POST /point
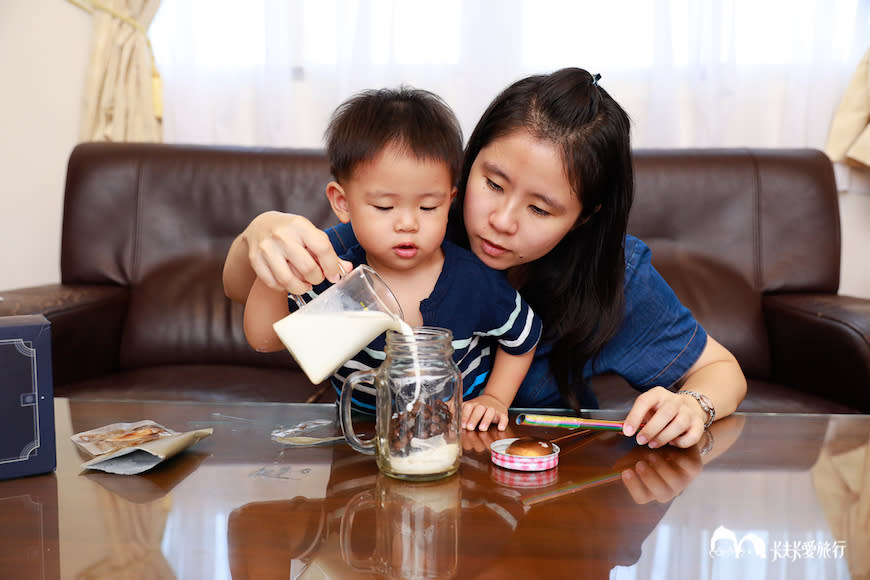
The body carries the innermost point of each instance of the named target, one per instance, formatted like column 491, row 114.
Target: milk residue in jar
column 418, row 409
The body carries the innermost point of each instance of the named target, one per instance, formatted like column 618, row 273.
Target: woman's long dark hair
column 577, row 288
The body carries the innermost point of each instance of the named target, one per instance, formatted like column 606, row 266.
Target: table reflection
column 841, row 478
column 134, row 510
column 29, row 527
column 485, row 522
column 239, row 505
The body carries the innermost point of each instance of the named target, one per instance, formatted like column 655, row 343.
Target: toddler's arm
column 264, row 307
column 491, row 406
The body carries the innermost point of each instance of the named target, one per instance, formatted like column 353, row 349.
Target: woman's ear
column 338, row 201
column 583, row 221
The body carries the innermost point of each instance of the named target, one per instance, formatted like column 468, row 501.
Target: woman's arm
column 716, row 374
column 661, row 417
column 286, row 251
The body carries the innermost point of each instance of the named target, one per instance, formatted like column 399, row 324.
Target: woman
column 544, row 195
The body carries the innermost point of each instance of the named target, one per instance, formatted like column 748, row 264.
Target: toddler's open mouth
column 405, row 250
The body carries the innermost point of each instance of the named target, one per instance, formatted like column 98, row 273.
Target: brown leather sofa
column 749, row 239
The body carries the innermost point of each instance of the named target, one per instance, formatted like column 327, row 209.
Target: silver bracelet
column 708, row 444
column 706, row 405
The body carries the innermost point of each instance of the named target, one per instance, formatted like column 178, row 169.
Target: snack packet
column 118, row 436
column 132, row 448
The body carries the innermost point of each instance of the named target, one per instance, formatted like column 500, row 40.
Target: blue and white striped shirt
column 477, row 304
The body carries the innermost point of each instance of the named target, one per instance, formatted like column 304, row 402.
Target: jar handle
column 363, row 500
column 365, row 447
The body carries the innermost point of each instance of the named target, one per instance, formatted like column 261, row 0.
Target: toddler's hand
column 483, row 411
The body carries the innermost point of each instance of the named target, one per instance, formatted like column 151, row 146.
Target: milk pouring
column 330, row 329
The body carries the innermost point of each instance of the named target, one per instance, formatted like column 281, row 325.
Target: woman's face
column 518, row 202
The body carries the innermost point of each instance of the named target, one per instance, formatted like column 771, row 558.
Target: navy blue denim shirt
column 659, row 339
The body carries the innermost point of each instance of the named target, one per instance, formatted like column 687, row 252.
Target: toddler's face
column 398, row 206
column 518, row 201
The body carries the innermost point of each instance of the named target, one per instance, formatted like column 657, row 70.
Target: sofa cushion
column 721, row 299
column 614, row 393
column 209, row 383
column 179, row 315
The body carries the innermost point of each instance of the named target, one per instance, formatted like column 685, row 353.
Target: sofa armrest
column 86, row 323
column 820, row 343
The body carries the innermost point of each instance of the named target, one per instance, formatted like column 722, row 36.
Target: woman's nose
column 502, row 219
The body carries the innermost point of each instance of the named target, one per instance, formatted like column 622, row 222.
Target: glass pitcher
column 418, row 406
column 330, row 329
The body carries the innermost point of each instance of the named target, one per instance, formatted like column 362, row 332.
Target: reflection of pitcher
column 417, row 529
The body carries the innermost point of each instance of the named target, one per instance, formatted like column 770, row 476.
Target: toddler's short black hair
column 413, row 120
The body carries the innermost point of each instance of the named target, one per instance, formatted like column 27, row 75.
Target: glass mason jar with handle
column 418, row 406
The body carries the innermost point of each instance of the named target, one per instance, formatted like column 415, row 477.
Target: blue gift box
column 27, row 445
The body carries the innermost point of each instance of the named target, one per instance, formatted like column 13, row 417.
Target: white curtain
column 700, row 73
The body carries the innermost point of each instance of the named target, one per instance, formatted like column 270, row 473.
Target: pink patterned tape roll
column 522, row 462
column 524, row 479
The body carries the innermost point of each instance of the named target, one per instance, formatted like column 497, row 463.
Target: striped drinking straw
column 570, row 422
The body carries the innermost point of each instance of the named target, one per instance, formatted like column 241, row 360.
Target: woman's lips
column 405, row 250
column 491, row 249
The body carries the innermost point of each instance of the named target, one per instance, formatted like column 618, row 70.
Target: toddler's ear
column 338, row 201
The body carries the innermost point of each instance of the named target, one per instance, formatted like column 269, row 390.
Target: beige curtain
column 122, row 97
column 848, row 143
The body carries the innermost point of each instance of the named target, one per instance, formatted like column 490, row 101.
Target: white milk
column 427, row 456
column 321, row 343
column 406, row 330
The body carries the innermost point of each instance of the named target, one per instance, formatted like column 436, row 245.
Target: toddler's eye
column 383, row 207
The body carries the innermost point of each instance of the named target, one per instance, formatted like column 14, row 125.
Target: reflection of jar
column 419, row 406
column 416, row 529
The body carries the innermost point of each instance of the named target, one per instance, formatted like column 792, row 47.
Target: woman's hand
column 670, row 418
column 663, row 474
column 661, row 417
column 482, row 411
column 286, row 251
column 660, row 476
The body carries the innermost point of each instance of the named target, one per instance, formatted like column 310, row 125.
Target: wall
column 44, row 49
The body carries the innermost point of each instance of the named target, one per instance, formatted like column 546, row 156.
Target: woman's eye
column 538, row 211
column 493, row 185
